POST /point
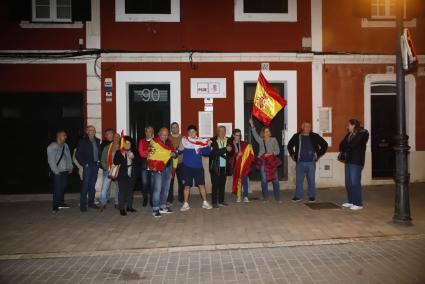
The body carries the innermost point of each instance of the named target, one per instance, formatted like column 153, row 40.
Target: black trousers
column 218, row 186
column 180, row 187
column 146, row 187
column 125, row 193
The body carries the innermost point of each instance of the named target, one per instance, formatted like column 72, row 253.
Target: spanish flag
column 267, row 102
column 242, row 168
column 159, row 155
column 122, row 142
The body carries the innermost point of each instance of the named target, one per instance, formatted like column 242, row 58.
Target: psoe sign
column 201, row 88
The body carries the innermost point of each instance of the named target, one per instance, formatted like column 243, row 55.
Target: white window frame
column 125, row 78
column 386, row 21
column 387, row 15
column 291, row 16
column 53, row 13
column 121, row 16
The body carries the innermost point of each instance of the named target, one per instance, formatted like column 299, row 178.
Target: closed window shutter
column 20, row 10
column 81, row 10
column 362, row 8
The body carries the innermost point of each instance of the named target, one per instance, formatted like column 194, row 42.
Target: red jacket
column 271, row 164
column 143, row 149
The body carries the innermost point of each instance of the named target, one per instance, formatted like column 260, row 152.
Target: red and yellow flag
column 267, row 102
column 159, row 155
column 242, row 168
column 122, row 143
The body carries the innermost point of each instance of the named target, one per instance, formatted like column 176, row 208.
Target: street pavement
column 245, row 243
column 360, row 262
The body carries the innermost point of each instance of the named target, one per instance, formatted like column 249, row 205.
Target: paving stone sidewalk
column 387, row 262
column 29, row 228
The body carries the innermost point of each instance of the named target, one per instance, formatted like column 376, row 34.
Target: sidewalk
column 29, row 229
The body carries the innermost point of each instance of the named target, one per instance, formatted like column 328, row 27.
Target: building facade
column 127, row 64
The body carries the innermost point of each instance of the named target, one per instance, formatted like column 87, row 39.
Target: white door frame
column 410, row 104
column 124, row 78
column 287, row 77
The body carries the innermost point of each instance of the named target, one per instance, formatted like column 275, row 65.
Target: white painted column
column 94, row 83
column 316, row 90
column 316, row 25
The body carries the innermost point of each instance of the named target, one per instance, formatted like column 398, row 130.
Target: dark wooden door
column 383, row 131
column 277, row 126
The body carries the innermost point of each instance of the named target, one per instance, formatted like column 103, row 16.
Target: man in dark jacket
column 219, row 166
column 88, row 155
column 306, row 148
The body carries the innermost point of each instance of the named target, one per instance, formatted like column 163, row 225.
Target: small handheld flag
column 122, row 142
column 267, row 102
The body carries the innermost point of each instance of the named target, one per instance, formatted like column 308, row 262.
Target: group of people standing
column 123, row 162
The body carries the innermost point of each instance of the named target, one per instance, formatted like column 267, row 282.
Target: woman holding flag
column 240, row 159
column 125, row 158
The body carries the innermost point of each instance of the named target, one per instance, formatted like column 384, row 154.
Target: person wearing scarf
column 268, row 161
column 107, row 159
column 125, row 158
column 192, row 149
column 219, row 166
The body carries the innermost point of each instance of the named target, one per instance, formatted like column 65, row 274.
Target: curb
column 336, row 241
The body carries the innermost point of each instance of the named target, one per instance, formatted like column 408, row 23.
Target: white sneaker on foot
column 238, row 200
column 246, row 200
column 185, row 207
column 355, row 207
column 206, row 205
column 347, row 205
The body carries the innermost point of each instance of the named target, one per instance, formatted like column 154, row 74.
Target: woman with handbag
column 268, row 161
column 352, row 152
column 125, row 159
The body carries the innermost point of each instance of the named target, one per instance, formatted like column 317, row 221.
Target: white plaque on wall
column 208, row 88
column 205, row 121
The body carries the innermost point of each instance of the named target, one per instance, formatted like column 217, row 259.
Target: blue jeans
column 106, row 189
column 146, row 186
column 305, row 169
column 60, row 182
column 245, row 186
column 160, row 187
column 89, row 181
column 264, row 186
column 353, row 176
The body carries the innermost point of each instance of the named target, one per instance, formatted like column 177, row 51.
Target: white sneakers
column 355, row 207
column 206, row 205
column 352, row 206
column 239, row 199
column 186, row 206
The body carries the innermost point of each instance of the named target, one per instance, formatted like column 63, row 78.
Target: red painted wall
column 223, row 108
column 204, row 25
column 343, row 90
column 13, row 37
column 47, row 78
column 343, row 32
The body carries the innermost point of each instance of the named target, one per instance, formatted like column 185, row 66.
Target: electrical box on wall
column 325, row 168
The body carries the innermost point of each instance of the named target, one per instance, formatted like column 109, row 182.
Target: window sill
column 31, row 25
column 367, row 23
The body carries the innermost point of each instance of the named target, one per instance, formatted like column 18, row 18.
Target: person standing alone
column 306, row 148
column 60, row 163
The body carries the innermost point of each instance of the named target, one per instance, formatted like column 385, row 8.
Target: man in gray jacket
column 60, row 163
